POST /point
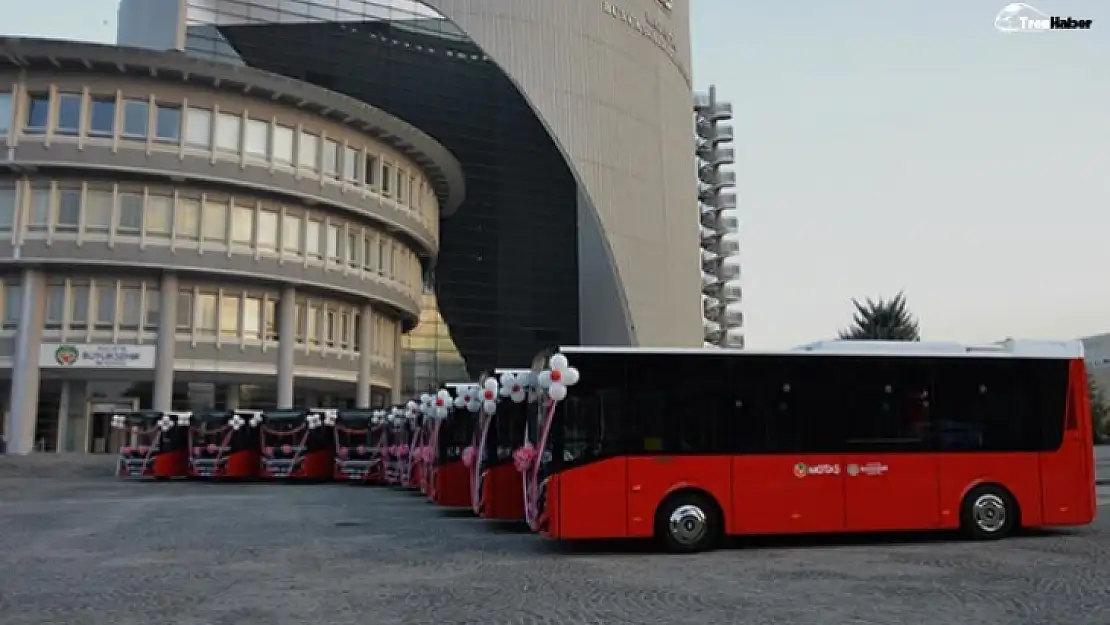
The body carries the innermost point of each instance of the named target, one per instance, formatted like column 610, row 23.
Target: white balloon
column 557, row 392
column 489, row 406
column 558, row 361
column 570, row 376
column 518, row 396
column 490, row 385
column 544, row 379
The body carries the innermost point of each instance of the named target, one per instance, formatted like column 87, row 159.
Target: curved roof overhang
column 441, row 167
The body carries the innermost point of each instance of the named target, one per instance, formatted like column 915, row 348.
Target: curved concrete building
column 572, row 120
column 167, row 221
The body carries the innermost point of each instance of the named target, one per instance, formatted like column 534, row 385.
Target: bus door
column 891, row 469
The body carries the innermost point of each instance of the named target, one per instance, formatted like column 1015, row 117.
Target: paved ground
column 95, row 551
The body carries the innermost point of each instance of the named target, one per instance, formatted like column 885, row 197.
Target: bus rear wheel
column 688, row 522
column 988, row 513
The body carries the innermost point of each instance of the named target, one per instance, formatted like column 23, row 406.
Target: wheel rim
column 688, row 524
column 989, row 513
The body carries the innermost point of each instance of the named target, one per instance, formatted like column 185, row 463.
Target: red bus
column 224, row 444
column 495, row 483
column 838, row 436
column 296, row 445
column 450, row 480
column 152, row 444
column 357, row 457
column 417, row 446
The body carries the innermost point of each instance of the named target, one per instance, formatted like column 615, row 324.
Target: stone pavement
column 86, row 551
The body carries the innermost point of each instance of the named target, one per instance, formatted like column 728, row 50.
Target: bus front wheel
column 688, row 522
column 989, row 512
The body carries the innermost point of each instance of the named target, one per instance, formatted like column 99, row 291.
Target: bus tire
column 988, row 512
column 688, row 522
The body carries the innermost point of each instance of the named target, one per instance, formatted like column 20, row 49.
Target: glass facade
column 507, row 277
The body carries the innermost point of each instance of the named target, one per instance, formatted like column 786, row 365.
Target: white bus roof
column 1010, row 348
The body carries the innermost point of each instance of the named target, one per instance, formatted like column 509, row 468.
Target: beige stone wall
column 615, row 93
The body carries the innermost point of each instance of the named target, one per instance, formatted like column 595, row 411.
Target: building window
column 252, row 318
column 7, row 209
column 387, row 179
column 79, row 306
column 268, row 230
column 184, row 311
column 6, row 111
column 136, row 119
column 152, row 316
column 271, row 312
column 345, row 330
column 300, row 322
column 283, row 144
column 401, row 186
column 372, row 173
column 39, row 220
column 187, row 219
column 159, row 216
column 198, row 128
column 215, row 221
column 38, row 113
column 368, row 253
column 229, row 316
column 55, row 305
column 291, row 234
column 69, row 113
column 351, row 167
column 13, row 304
column 257, row 141
column 353, row 248
column 105, row 307
column 242, row 225
column 331, row 158
column 167, row 123
column 334, row 239
column 228, row 129
column 329, row 327
column 312, row 322
column 98, row 210
column 308, row 151
column 130, row 214
column 102, row 117
column 131, row 299
column 69, row 210
column 206, row 314
column 313, row 232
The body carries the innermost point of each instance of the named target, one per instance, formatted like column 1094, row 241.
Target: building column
column 25, row 372
column 287, row 342
column 64, row 400
column 167, row 343
column 365, row 356
column 397, row 362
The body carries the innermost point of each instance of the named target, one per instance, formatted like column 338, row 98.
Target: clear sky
column 888, row 146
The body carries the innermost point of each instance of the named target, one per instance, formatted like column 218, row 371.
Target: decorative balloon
column 464, row 398
column 524, row 457
column 167, row 423
column 413, row 408
column 331, row 415
column 468, row 456
column 442, row 403
column 256, row 419
column 557, row 377
column 119, row 421
column 512, row 386
column 183, row 419
column 312, row 421
column 489, row 394
column 236, row 422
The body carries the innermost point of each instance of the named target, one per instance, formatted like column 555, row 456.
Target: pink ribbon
column 468, row 456
column 524, row 457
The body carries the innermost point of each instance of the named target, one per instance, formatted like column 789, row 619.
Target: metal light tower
column 722, row 295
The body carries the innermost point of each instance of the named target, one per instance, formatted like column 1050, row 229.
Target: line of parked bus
column 688, row 446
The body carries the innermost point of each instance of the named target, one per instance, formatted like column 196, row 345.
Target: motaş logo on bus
column 1019, row 17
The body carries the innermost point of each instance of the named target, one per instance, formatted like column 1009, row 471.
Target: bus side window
column 988, row 405
column 885, row 403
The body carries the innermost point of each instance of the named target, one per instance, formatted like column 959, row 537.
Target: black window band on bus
column 774, row 404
